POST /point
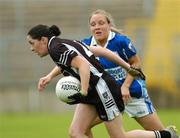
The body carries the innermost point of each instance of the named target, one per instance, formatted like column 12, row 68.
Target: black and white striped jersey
column 103, row 91
column 62, row 51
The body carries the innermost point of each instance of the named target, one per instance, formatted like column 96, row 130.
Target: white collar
column 51, row 40
column 110, row 37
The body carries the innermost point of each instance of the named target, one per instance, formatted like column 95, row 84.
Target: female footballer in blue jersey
column 137, row 102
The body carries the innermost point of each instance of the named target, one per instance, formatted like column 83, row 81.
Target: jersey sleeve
column 66, row 57
column 63, row 55
column 129, row 49
column 87, row 41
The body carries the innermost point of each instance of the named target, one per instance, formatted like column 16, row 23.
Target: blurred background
column 152, row 25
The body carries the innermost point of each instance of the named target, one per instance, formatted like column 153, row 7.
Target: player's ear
column 44, row 40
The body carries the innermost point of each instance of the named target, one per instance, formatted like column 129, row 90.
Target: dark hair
column 43, row 30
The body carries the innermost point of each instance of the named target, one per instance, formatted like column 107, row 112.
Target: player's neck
column 102, row 43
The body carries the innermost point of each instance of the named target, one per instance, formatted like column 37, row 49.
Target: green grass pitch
column 47, row 125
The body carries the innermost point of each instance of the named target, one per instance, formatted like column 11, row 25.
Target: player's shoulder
column 87, row 40
column 65, row 42
column 57, row 45
column 121, row 37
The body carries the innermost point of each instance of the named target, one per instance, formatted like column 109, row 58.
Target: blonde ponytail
column 113, row 29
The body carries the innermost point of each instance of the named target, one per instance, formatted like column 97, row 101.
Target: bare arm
column 46, row 79
column 103, row 52
column 84, row 70
column 56, row 71
column 134, row 61
column 99, row 51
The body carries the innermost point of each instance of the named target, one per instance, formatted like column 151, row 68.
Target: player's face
column 99, row 27
column 38, row 46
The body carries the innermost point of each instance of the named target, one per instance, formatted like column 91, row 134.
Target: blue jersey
column 122, row 46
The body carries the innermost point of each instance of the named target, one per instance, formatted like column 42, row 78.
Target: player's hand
column 77, row 98
column 125, row 94
column 43, row 82
column 136, row 72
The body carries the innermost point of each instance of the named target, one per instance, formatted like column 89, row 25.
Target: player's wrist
column 127, row 85
column 83, row 93
column 49, row 76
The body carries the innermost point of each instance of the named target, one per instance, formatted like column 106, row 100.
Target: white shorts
column 139, row 107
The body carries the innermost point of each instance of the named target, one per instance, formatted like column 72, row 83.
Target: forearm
column 83, row 67
column 55, row 71
column 117, row 60
column 135, row 62
column 128, row 81
column 103, row 52
column 84, row 71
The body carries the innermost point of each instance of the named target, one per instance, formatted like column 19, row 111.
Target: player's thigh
column 114, row 128
column 83, row 117
column 96, row 122
column 150, row 122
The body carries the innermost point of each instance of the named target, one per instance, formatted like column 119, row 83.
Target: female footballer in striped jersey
column 99, row 95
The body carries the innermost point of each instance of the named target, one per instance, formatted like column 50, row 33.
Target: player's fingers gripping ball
column 67, row 87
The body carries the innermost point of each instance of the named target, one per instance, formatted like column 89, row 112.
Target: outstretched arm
column 103, row 52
